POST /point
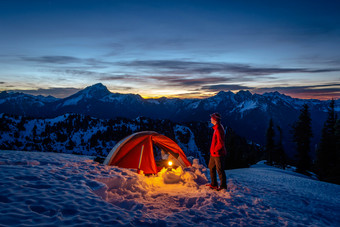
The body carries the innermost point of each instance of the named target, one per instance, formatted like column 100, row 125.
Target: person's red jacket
column 217, row 147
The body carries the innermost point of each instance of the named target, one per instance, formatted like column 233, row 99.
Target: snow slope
column 64, row 190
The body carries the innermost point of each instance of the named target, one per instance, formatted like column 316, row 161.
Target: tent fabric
column 127, row 152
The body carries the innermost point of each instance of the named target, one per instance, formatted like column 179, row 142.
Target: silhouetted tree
column 270, row 144
column 4, row 124
column 70, row 145
column 337, row 140
column 21, row 124
column 327, row 152
column 34, row 131
column 240, row 152
column 302, row 133
column 183, row 136
column 280, row 158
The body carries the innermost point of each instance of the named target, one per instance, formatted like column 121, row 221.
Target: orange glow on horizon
column 180, row 96
column 303, row 94
column 311, row 95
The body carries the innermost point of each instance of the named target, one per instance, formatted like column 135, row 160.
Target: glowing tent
column 137, row 151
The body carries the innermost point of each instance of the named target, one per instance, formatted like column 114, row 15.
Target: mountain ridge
column 100, row 86
column 248, row 114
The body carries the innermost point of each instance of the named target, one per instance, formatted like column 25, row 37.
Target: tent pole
column 140, row 159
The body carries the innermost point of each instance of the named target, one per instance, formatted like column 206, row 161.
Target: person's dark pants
column 217, row 164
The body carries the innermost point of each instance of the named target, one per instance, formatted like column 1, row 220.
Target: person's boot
column 212, row 187
column 222, row 187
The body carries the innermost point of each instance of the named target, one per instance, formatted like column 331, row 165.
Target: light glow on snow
column 52, row 189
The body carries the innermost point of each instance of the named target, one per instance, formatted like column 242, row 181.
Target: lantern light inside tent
column 170, row 165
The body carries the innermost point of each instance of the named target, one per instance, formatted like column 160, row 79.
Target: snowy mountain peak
column 224, row 94
column 47, row 98
column 221, row 97
column 276, row 94
column 96, row 90
column 22, row 98
column 243, row 95
column 122, row 98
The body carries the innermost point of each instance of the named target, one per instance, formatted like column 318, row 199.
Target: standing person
column 217, row 153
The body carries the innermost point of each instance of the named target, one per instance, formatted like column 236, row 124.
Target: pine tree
column 337, row 140
column 270, row 144
column 326, row 154
column 34, row 131
column 302, row 133
column 281, row 158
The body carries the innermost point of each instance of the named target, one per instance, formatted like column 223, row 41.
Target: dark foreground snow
column 61, row 189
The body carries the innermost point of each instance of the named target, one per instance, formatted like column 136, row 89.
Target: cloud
column 56, row 92
column 122, row 77
column 182, row 67
column 225, row 87
column 64, row 60
column 177, row 81
column 194, row 81
column 184, row 75
column 321, row 87
column 322, row 91
column 152, row 42
column 53, row 59
column 193, row 67
column 82, row 73
column 122, row 88
column 318, row 59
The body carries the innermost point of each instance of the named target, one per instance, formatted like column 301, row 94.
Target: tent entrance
column 163, row 156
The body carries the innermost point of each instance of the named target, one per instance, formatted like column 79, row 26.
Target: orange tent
column 137, row 152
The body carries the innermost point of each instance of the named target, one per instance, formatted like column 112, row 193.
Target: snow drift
column 63, row 189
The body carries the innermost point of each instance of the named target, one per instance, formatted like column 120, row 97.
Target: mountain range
column 248, row 114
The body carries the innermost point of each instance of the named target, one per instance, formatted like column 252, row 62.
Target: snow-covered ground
column 51, row 189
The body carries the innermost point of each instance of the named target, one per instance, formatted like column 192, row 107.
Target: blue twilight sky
column 171, row 48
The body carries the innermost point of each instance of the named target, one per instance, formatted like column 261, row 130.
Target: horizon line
column 35, row 92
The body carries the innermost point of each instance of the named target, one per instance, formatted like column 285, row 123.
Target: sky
column 174, row 48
